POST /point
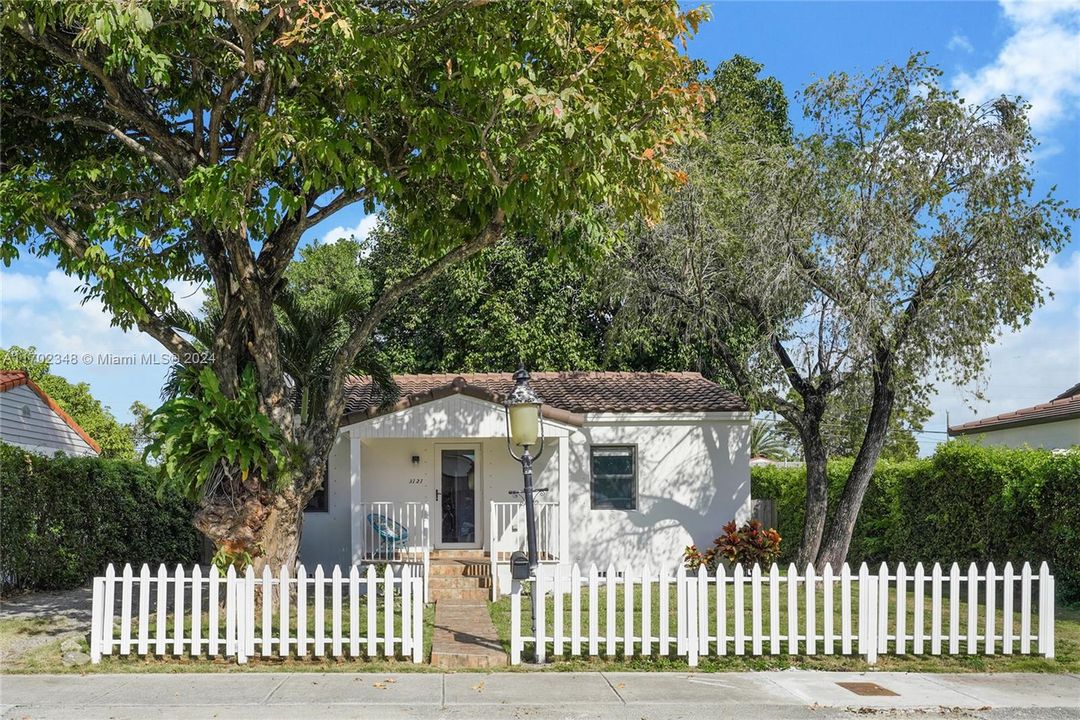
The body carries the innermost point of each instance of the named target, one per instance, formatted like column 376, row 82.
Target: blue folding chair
column 392, row 535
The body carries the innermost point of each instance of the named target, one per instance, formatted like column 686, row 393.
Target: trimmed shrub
column 63, row 519
column 966, row 503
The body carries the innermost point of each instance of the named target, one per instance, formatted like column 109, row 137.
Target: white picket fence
column 187, row 613
column 807, row 613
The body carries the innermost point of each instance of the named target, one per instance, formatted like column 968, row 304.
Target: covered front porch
column 435, row 479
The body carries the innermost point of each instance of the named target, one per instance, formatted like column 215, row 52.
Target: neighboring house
column 1053, row 425
column 32, row 420
column 637, row 466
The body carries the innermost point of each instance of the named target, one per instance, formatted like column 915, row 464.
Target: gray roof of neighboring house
column 1065, row 406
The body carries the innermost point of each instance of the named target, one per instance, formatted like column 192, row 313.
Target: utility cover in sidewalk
column 867, row 688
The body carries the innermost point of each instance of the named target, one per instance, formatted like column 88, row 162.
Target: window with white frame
column 614, row 477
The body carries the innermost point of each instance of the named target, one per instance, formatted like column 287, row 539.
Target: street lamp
column 524, row 428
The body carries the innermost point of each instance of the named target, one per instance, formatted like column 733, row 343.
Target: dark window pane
column 614, row 480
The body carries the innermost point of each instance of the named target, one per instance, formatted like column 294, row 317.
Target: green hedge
column 63, row 519
column 965, row 503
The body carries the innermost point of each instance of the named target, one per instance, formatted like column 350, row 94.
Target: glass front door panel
column 458, row 489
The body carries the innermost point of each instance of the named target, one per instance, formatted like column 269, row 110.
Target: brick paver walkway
column 465, row 636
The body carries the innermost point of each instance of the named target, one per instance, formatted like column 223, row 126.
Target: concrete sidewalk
column 793, row 694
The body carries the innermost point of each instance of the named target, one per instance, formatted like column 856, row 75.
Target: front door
column 457, row 497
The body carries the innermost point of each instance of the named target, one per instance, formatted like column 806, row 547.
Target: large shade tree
column 883, row 248
column 151, row 141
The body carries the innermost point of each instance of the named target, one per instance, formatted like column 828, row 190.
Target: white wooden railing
column 895, row 611
column 189, row 613
column 415, row 517
column 506, row 533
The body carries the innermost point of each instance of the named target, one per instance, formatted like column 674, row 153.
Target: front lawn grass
column 1067, row 637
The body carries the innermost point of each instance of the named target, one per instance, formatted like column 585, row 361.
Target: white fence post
column 515, row 622
column 97, row 620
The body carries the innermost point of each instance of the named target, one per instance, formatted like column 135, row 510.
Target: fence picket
column 755, row 605
column 918, row 619
column 97, row 610
column 609, row 615
column 125, row 611
column 212, row 604
column 284, row 619
column 575, row 610
column 692, row 648
column 680, row 611
column 1025, row 609
column 406, row 614
column 721, row 611
column 1007, row 587
column 230, row 611
column 388, row 612
column 973, row 609
column 901, row 609
column 354, row 611
column 664, row 600
column 144, row 609
column 954, row 609
column 335, row 610
column 864, row 610
column 827, row 608
column 845, row 609
column 557, row 613
column 196, row 612
column 881, row 611
column 774, row 609
column 110, row 610
column 249, row 611
column 990, row 636
column 935, row 610
column 701, row 618
column 371, row 598
column 418, row 619
column 872, row 623
column 320, row 611
column 646, row 611
column 1046, row 605
column 178, row 610
column 162, row 607
column 792, row 611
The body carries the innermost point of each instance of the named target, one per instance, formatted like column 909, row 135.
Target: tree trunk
column 838, row 540
column 817, row 492
column 261, row 523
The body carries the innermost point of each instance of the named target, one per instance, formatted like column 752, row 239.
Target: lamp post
column 525, row 428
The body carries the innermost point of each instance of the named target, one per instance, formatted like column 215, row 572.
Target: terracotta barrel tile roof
column 1065, row 406
column 570, row 392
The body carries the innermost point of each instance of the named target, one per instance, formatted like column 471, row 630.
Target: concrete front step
column 468, row 554
column 442, row 568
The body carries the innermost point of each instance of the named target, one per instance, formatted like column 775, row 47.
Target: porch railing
column 507, row 533
column 415, row 517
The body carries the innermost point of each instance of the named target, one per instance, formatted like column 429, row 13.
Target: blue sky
column 985, row 49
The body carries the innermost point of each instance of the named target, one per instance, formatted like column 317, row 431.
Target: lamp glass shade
column 524, row 423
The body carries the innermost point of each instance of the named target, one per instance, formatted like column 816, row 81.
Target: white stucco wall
column 326, row 538
column 692, row 469
column 693, row 476
column 1051, row 436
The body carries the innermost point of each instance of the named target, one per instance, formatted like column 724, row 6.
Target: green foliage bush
column 63, row 519
column 966, row 503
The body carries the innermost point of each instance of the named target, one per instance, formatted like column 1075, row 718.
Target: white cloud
column 1028, row 367
column 18, row 287
column 1040, row 61
column 961, row 42
column 360, row 231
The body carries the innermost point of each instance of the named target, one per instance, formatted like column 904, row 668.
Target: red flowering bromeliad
column 744, row 545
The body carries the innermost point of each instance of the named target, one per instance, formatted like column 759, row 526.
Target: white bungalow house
column 636, row 467
column 1053, row 425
